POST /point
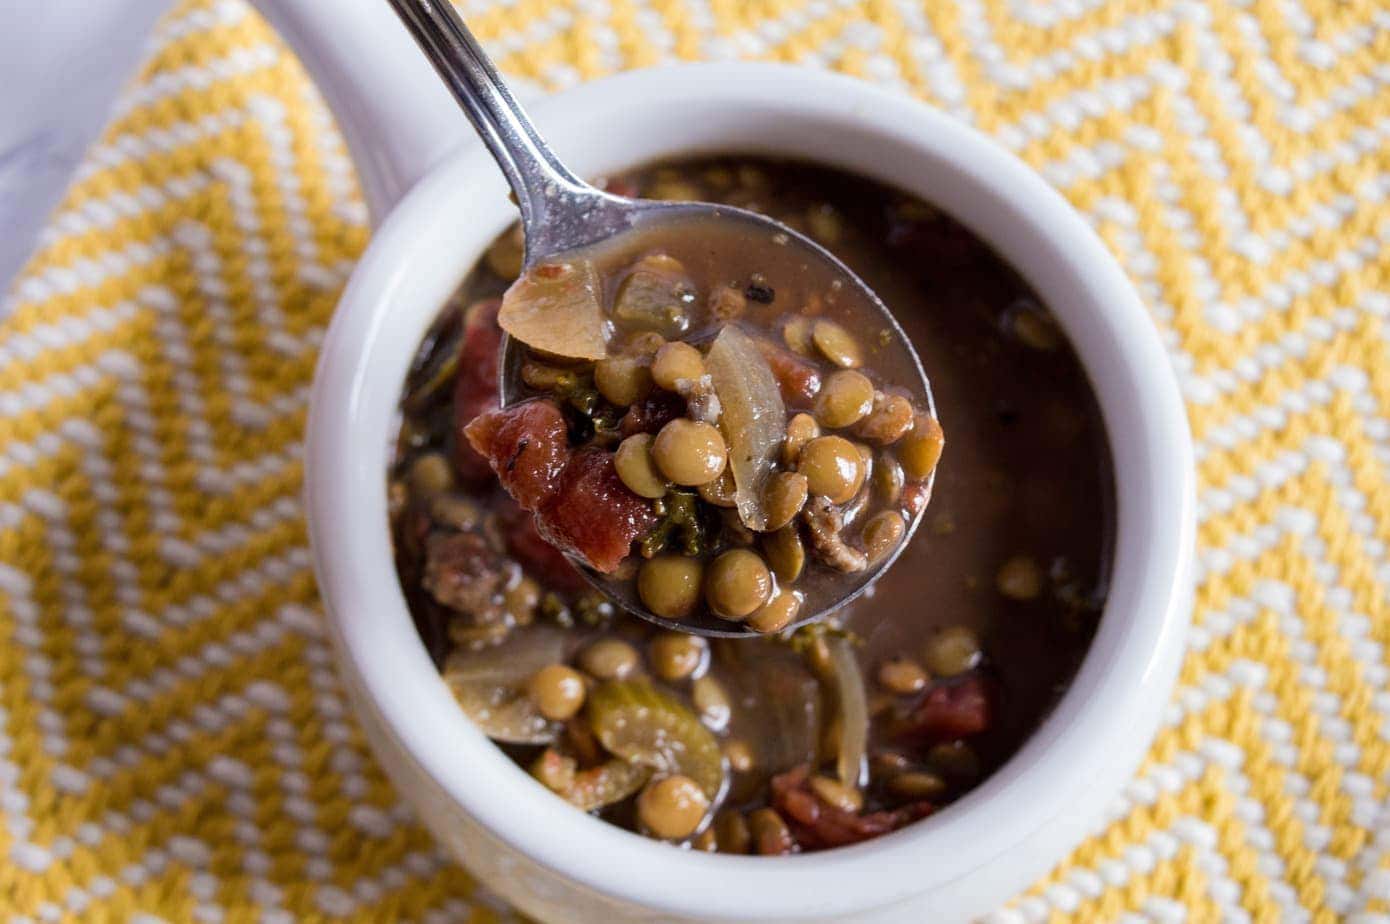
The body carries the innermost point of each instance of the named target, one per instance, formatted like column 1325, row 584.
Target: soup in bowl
column 809, row 739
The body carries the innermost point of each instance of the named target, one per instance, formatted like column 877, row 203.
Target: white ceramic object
column 62, row 63
column 550, row 860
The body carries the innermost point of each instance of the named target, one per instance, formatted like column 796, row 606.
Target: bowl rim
column 1118, row 690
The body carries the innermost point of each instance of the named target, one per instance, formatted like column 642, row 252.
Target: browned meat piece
column 475, row 389
column 700, row 399
column 541, row 559
column 527, row 446
column 593, row 515
column 462, row 573
column 824, row 522
column 817, row 824
column 798, row 380
column 652, row 413
column 949, row 711
column 582, row 508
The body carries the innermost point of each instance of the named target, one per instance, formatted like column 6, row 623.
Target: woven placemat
column 173, row 741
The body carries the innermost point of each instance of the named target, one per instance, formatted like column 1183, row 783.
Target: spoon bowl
column 628, row 217
column 562, row 217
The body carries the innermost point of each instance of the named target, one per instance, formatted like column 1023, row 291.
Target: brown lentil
column 622, row 380
column 720, row 491
column 672, row 807
column 455, row 511
column 557, row 691
column 676, row 655
column 917, row 785
column 796, row 333
column 610, row 659
column 737, row 583
column 952, row 650
column 676, row 362
column 430, row 474
column 1034, row 327
column 770, row 835
column 837, row 344
column 824, row 224
column 883, row 533
column 836, row 794
column 783, row 498
column 669, row 585
column 689, row 452
column 786, row 553
column 554, row 771
column 920, row 450
column 902, row 676
column 777, row 613
column 832, row 467
column 636, row 467
column 955, row 760
column 801, row 429
column 888, row 421
column 739, row 755
column 845, row 398
column 887, row 480
column 711, row 702
column 1020, row 578
column 521, row 598
column 731, row 830
column 888, row 763
column 644, row 343
column 726, row 303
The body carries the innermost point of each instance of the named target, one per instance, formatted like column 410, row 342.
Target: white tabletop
column 62, row 62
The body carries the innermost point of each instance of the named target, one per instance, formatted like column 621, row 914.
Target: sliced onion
column 556, row 308
column 503, row 715
column 854, row 711
column 753, row 418
column 490, row 685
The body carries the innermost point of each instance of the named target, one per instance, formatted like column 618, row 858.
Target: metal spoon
column 561, row 213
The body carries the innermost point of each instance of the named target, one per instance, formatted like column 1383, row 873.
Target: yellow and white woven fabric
column 173, row 742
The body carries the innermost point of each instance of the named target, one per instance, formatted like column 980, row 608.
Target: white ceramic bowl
column 557, row 863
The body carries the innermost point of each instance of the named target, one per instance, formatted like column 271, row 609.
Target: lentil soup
column 804, row 740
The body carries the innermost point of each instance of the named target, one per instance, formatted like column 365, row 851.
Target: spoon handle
column 544, row 187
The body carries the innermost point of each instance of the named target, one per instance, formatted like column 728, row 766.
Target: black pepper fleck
column 759, row 292
column 520, row 448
